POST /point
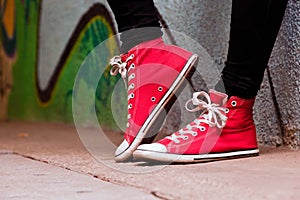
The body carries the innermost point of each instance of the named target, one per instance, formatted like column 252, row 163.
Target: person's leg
column 254, row 28
column 226, row 128
column 153, row 71
column 133, row 15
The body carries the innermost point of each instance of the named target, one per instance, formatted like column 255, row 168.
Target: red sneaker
column 153, row 73
column 224, row 130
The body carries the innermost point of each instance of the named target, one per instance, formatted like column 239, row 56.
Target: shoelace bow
column 212, row 114
column 120, row 67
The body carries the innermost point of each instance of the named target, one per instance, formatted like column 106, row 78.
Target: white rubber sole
column 127, row 153
column 176, row 158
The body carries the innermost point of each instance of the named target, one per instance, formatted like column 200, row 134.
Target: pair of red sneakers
column 154, row 73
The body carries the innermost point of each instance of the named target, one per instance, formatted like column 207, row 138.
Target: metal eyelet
column 129, row 106
column 202, row 129
column 131, row 96
column 132, row 66
column 226, row 110
column 153, row 99
column 194, row 134
column 132, row 55
column 233, row 103
column 186, row 137
column 160, row 89
column 132, row 76
column 131, row 86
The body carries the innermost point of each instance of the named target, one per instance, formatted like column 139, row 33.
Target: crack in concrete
column 161, row 195
column 6, row 153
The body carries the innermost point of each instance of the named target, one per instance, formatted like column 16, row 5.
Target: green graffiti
column 25, row 101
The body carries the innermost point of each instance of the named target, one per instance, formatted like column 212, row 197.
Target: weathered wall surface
column 285, row 75
column 44, row 42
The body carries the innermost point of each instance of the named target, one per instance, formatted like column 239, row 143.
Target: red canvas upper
column 239, row 132
column 151, row 69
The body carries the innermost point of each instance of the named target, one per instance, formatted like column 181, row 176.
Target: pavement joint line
column 105, row 179
column 3, row 153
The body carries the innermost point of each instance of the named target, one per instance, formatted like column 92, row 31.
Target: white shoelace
column 214, row 116
column 120, row 67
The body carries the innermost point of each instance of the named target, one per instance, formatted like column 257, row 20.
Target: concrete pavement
column 275, row 174
column 27, row 179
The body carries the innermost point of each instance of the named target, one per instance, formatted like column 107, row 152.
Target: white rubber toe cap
column 153, row 147
column 123, row 146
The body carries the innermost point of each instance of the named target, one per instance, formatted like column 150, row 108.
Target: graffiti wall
column 7, row 52
column 41, row 54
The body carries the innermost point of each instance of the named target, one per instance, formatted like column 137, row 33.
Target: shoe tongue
column 218, row 97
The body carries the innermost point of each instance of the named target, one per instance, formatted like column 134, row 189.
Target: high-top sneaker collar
column 218, row 97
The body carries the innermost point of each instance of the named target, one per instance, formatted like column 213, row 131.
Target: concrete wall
column 44, row 42
column 285, row 73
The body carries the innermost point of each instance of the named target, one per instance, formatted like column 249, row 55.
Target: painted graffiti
column 52, row 39
column 91, row 24
column 7, row 51
column 42, row 90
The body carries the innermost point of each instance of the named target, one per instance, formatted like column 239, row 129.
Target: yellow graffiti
column 9, row 17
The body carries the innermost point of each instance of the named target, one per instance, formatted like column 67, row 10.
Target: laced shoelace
column 120, row 67
column 212, row 114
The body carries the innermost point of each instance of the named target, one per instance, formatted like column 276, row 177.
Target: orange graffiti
column 9, row 17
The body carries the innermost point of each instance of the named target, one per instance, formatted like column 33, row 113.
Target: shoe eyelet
column 186, row 137
column 128, row 116
column 132, row 66
column 233, row 103
column 131, row 86
column 132, row 76
column 194, row 134
column 202, row 129
column 129, row 106
column 132, row 56
column 131, row 96
column 227, row 110
column 160, row 89
column 153, row 99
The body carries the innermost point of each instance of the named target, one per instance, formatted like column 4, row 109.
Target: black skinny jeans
column 254, row 28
